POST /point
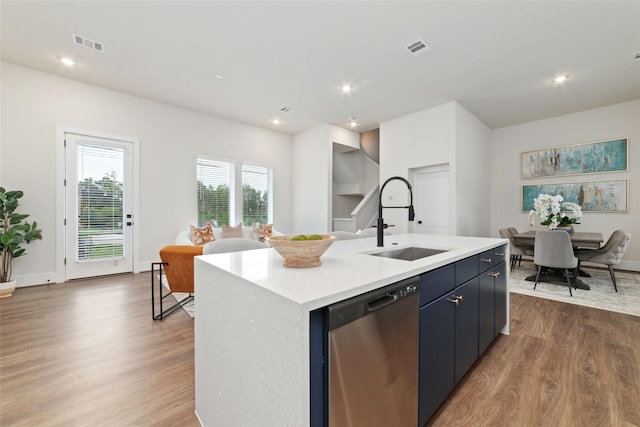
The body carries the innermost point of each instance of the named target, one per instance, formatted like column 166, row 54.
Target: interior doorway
column 431, row 194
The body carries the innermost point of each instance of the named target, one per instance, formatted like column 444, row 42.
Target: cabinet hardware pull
column 457, row 299
column 487, row 260
column 496, row 274
column 500, row 253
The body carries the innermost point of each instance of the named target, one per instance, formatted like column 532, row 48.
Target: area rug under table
column 602, row 295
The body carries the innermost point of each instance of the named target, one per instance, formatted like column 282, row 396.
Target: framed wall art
column 595, row 196
column 590, row 157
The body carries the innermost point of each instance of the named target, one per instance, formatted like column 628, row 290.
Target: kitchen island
column 253, row 357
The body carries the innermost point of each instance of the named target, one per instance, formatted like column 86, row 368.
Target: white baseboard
column 629, row 266
column 50, row 278
column 35, row 279
column 624, row 265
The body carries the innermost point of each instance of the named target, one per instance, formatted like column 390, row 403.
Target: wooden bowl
column 300, row 253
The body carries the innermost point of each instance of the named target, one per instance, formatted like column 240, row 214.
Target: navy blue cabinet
column 492, row 296
column 463, row 307
column 437, row 352
column 466, row 327
column 448, row 331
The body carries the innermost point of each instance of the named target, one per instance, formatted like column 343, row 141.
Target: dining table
column 579, row 239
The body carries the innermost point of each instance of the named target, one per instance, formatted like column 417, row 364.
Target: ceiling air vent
column 88, row 43
column 286, row 109
column 417, row 47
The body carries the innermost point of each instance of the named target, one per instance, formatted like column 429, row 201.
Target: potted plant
column 552, row 210
column 14, row 232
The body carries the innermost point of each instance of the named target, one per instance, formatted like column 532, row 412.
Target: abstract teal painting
column 592, row 157
column 597, row 196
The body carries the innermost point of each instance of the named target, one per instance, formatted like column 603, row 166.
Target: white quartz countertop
column 347, row 270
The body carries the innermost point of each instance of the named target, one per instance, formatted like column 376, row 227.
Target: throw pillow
column 229, row 231
column 200, row 236
column 261, row 231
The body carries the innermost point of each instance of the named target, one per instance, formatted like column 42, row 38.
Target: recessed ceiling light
column 561, row 79
column 219, row 76
column 67, row 61
column 276, row 121
column 346, row 88
column 352, row 122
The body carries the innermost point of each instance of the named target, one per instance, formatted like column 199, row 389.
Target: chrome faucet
column 381, row 225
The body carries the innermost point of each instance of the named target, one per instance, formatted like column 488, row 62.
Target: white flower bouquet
column 552, row 210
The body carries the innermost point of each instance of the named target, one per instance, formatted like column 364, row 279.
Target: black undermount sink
column 411, row 253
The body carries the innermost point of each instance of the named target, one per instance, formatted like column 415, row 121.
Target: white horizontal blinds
column 255, row 194
column 100, row 202
column 214, row 185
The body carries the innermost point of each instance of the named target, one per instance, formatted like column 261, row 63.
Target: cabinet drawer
column 486, row 260
column 436, row 283
column 498, row 254
column 466, row 269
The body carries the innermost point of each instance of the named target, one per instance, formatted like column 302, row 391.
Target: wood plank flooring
column 562, row 365
column 87, row 353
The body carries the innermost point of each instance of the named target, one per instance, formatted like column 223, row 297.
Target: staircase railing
column 365, row 214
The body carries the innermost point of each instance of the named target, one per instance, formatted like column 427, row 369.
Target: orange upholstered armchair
column 177, row 264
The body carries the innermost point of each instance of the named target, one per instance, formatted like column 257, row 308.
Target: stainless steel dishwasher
column 373, row 358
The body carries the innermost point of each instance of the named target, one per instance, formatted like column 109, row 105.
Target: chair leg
column 566, row 273
column 163, row 313
column 575, row 278
column 613, row 277
column 519, row 260
column 537, row 276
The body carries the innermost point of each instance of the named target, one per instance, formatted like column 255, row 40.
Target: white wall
column 615, row 121
column 473, row 171
column 34, row 104
column 420, row 139
column 312, row 153
column 447, row 134
column 313, row 176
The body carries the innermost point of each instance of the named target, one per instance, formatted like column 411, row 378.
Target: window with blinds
column 256, row 181
column 100, row 202
column 214, row 191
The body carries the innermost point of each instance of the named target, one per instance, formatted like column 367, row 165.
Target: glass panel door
column 98, row 206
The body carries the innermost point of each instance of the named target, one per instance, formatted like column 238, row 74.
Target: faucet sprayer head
column 412, row 213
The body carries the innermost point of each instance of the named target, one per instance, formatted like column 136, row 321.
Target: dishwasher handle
column 349, row 310
column 382, row 301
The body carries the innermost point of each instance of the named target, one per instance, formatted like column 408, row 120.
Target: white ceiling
column 496, row 58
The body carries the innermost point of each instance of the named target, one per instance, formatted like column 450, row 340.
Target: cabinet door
column 500, row 289
column 437, row 352
column 486, row 307
column 466, row 327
